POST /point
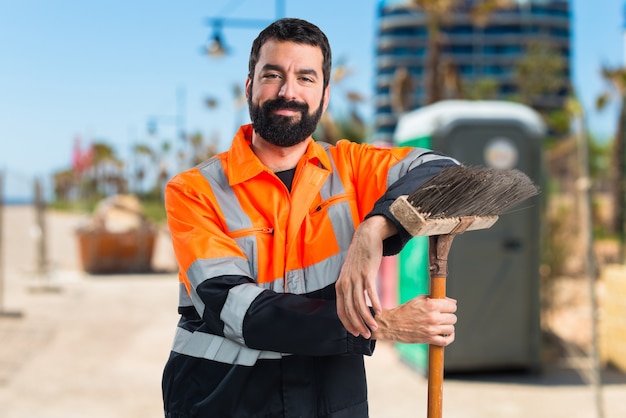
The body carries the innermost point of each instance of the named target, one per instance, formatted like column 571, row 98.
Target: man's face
column 287, row 84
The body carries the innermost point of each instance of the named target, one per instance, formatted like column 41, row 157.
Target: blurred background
column 140, row 82
column 102, row 102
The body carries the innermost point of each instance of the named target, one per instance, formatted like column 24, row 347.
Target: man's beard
column 280, row 130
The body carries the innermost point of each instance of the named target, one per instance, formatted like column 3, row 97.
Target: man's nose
column 287, row 89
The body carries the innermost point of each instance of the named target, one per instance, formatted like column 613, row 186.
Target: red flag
column 77, row 156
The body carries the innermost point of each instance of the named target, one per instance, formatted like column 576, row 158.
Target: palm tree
column 485, row 88
column 539, row 73
column 442, row 79
column 164, row 171
column 201, row 150
column 64, row 184
column 144, row 158
column 436, row 12
column 107, row 175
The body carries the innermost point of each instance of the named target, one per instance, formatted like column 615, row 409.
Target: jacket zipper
column 251, row 231
column 331, row 201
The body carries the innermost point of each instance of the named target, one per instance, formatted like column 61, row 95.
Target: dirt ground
column 79, row 345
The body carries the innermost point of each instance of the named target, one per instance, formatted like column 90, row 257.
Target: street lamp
column 178, row 120
column 216, row 47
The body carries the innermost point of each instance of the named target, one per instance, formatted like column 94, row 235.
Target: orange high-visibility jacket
column 259, row 333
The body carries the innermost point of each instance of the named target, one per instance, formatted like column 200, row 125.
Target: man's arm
column 223, row 299
column 420, row 320
column 358, row 276
column 271, row 321
column 380, row 234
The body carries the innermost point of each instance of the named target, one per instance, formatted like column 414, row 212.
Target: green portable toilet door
column 493, row 273
column 413, row 277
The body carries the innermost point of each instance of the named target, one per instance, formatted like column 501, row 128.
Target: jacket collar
column 245, row 165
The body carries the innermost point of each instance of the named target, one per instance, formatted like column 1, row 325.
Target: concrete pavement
column 94, row 346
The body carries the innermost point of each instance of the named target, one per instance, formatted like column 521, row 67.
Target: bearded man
column 278, row 242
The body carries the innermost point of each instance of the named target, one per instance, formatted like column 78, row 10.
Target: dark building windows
column 470, row 50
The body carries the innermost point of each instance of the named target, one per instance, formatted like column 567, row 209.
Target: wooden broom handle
column 435, row 358
column 438, row 249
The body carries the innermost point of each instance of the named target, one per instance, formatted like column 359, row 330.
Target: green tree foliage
column 201, row 149
column 101, row 174
column 539, row 72
column 107, row 176
column 616, row 89
column 349, row 125
column 482, row 89
column 64, row 184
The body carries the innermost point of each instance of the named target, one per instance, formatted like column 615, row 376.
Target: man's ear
column 326, row 97
column 247, row 90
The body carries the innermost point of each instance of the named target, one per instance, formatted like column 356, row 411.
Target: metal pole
column 280, row 9
column 181, row 97
column 620, row 180
column 1, row 240
column 3, row 312
column 42, row 256
column 43, row 264
column 584, row 190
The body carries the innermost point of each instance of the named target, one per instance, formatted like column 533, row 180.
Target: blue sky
column 100, row 69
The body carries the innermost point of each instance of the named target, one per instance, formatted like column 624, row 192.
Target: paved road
column 94, row 346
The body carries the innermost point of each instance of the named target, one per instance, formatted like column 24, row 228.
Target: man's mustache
column 278, row 104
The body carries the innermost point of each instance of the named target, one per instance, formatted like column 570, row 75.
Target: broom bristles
column 471, row 191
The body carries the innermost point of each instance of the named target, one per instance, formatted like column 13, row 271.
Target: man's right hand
column 420, row 320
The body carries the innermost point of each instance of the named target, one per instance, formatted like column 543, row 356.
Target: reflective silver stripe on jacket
column 311, row 278
column 204, row 269
column 415, row 158
column 214, row 347
column 248, row 245
column 234, row 310
column 234, row 215
column 339, row 214
column 183, row 297
column 333, row 185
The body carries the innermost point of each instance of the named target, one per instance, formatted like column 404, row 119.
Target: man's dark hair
column 292, row 30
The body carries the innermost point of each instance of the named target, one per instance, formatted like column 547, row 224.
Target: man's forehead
column 274, row 52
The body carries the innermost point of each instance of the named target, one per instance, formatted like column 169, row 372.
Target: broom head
column 462, row 198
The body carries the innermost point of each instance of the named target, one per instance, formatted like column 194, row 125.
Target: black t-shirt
column 286, row 176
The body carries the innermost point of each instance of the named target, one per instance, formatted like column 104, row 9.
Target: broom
column 456, row 200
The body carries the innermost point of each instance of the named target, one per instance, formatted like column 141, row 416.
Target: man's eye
column 271, row 75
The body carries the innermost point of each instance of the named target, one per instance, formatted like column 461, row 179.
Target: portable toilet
column 493, row 273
